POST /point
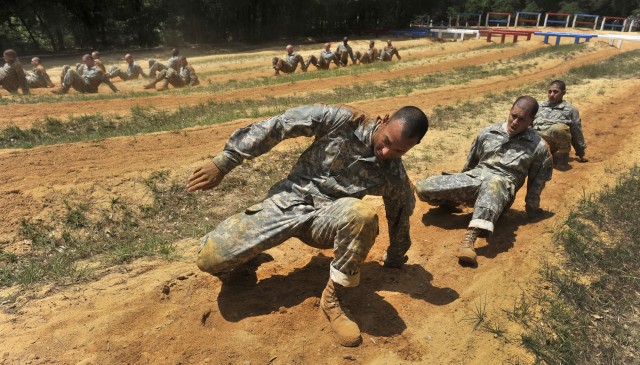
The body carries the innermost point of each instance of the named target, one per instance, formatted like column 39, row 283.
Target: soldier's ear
column 385, row 119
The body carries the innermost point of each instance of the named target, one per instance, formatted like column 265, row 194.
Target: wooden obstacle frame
column 615, row 24
column 555, row 19
column 576, row 36
column 468, row 19
column 503, row 33
column 525, row 17
column 498, row 22
column 579, row 19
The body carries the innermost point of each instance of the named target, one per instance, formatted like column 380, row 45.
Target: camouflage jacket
column 15, row 72
column 92, row 77
column 173, row 63
column 39, row 78
column 339, row 163
column 292, row 59
column 329, row 56
column 516, row 158
column 134, row 70
column 188, row 74
column 564, row 113
column 345, row 48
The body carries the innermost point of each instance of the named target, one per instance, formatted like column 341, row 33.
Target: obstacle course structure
column 468, row 19
column 617, row 23
column 556, row 18
column 527, row 18
column 582, row 19
column 501, row 21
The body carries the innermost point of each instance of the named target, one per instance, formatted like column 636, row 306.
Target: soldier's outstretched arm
column 206, row 177
column 540, row 172
column 259, row 138
column 22, row 79
column 577, row 138
column 106, row 80
column 399, row 204
column 474, row 156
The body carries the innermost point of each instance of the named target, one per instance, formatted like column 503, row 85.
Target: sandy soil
column 415, row 315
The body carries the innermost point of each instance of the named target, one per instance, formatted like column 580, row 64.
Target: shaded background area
column 44, row 26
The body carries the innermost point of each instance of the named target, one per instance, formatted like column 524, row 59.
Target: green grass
column 89, row 236
column 589, row 314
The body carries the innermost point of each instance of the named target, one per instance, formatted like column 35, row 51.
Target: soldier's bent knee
column 209, row 260
column 360, row 213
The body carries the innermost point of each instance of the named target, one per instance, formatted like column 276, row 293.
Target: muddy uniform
column 370, row 56
column 155, row 66
column 12, row 77
column 186, row 76
column 560, row 126
column 388, row 52
column 325, row 59
column 344, row 52
column 87, row 82
column 289, row 62
column 134, row 70
column 39, row 78
column 319, row 202
column 496, row 169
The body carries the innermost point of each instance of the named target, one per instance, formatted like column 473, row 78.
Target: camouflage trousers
column 280, row 65
column 344, row 57
column 321, row 63
column 348, row 225
column 115, row 71
column 171, row 76
column 490, row 194
column 366, row 57
column 72, row 79
column 35, row 82
column 558, row 137
column 388, row 56
column 9, row 81
column 155, row 66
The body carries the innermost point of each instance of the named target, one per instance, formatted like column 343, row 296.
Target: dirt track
column 415, row 315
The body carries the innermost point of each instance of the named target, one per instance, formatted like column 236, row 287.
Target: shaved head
column 528, row 104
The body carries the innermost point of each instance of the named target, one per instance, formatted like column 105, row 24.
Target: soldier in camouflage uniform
column 320, row 203
column 559, row 124
column 155, row 66
column 344, row 52
column 87, row 82
column 325, row 59
column 370, row 56
column 289, row 63
column 12, row 74
column 186, row 76
column 388, row 52
column 102, row 68
column 133, row 71
column 38, row 78
column 502, row 156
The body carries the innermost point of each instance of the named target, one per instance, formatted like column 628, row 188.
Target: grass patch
column 74, row 245
column 590, row 313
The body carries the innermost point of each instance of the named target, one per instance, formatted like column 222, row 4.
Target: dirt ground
column 158, row 312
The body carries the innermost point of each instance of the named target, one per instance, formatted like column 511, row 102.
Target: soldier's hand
column 205, row 177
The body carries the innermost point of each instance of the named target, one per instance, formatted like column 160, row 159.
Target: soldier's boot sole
column 150, row 86
column 346, row 331
column 59, row 91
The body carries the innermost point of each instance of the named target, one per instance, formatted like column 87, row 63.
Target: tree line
column 39, row 26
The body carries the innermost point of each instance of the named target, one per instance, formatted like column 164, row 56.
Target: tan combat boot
column 165, row 86
column 150, row 85
column 347, row 331
column 60, row 91
column 466, row 252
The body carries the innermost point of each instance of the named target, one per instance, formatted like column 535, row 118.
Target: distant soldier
column 559, row 124
column 38, row 78
column 133, row 71
column 88, row 82
column 100, row 66
column 325, row 59
column 370, row 56
column 12, row 74
column 388, row 52
column 186, row 77
column 172, row 62
column 344, row 52
column 289, row 63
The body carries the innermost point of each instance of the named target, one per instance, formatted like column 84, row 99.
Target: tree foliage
column 57, row 25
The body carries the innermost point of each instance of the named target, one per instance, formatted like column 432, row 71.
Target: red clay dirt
column 417, row 315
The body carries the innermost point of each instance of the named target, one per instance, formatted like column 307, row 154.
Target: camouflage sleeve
column 473, row 156
column 539, row 173
column 105, row 79
column 577, row 138
column 399, row 204
column 259, row 138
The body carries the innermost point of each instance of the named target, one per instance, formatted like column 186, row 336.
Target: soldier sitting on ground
column 559, row 124
column 388, row 52
column 12, row 74
column 344, row 52
column 100, row 66
column 371, row 54
column 289, row 63
column 186, row 76
column 87, row 82
column 325, row 59
column 320, row 201
column 172, row 62
column 133, row 71
column 502, row 156
column 38, row 78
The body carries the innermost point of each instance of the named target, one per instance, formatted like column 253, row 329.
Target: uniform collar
column 527, row 135
column 365, row 130
column 559, row 105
